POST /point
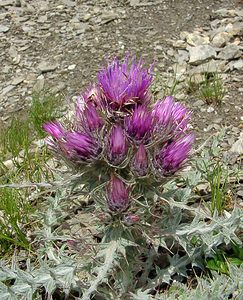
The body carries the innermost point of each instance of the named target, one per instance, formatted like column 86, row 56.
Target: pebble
column 71, row 67
column 4, row 28
column 200, row 54
column 210, row 109
column 45, row 67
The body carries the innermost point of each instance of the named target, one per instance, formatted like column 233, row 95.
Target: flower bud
column 140, row 161
column 117, row 146
column 91, row 119
column 130, row 219
column 173, row 154
column 171, row 114
column 117, row 195
column 80, row 146
column 139, row 126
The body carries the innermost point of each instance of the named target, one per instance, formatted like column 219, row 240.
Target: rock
column 182, row 56
column 71, row 67
column 7, row 89
column 210, row 109
column 201, row 54
column 230, row 51
column 224, row 13
column 197, row 39
column 235, row 28
column 69, row 3
column 58, row 88
column 17, row 80
column 45, row 67
column 210, row 67
column 235, row 65
column 39, row 85
column 4, row 28
column 240, row 193
column 237, row 147
column 220, row 39
column 179, row 44
column 6, row 2
column 13, row 53
column 198, row 103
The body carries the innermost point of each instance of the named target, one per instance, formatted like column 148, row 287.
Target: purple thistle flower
column 140, row 161
column 92, row 94
column 89, row 118
column 162, row 110
column 55, row 129
column 140, row 125
column 171, row 114
column 117, row 145
column 117, row 195
column 125, row 83
column 79, row 146
column 173, row 154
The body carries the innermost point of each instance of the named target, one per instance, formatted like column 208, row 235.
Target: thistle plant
column 117, row 133
column 126, row 151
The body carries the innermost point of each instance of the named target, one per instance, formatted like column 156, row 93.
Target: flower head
column 140, row 161
column 55, row 129
column 117, row 145
column 89, row 118
column 173, row 154
column 80, row 146
column 171, row 114
column 117, row 195
column 125, row 83
column 140, row 124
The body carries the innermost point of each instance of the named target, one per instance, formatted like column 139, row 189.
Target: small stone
column 197, row 39
column 183, row 56
column 210, row 67
column 198, row 103
column 237, row 147
column 210, row 109
column 71, row 67
column 7, row 89
column 240, row 193
column 17, row 80
column 235, row 28
column 230, row 51
column 179, row 44
column 220, row 39
column 235, row 65
column 201, row 54
column 45, row 67
column 39, row 85
column 4, row 28
column 6, row 2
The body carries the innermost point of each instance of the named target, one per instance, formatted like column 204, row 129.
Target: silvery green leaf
column 141, row 295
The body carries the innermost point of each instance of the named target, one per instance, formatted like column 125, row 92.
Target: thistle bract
column 117, row 195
